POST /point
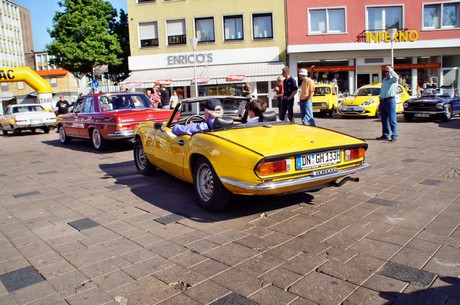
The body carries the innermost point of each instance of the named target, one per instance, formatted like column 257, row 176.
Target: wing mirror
column 158, row 126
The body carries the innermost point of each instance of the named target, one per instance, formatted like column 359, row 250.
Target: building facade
column 236, row 42
column 348, row 42
column 15, row 34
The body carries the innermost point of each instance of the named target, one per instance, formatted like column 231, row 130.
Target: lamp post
column 194, row 42
column 392, row 33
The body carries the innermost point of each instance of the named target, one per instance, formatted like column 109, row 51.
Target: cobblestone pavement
column 80, row 227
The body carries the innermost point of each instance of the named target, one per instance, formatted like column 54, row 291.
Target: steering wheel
column 196, row 118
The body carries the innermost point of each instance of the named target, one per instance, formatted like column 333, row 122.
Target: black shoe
column 393, row 140
column 382, row 138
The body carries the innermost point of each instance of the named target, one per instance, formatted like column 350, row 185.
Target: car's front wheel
column 211, row 193
column 99, row 142
column 143, row 165
column 408, row 117
column 63, row 136
column 448, row 114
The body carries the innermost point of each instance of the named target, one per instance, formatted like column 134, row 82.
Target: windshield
column 437, row 92
column 368, row 91
column 322, row 90
column 125, row 101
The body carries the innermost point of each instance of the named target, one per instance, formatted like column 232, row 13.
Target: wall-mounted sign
column 432, row 65
column 401, row 36
column 331, row 69
column 200, row 80
column 179, row 60
column 236, row 77
column 163, row 82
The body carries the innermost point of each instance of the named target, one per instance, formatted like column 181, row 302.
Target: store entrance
column 367, row 78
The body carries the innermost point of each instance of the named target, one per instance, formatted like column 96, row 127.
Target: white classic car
column 27, row 117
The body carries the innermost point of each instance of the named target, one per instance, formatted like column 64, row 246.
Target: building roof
column 52, row 72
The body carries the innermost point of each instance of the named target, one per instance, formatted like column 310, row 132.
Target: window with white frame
column 148, row 34
column 382, row 18
column 176, row 32
column 233, row 28
column 441, row 16
column 262, row 26
column 328, row 20
column 204, row 29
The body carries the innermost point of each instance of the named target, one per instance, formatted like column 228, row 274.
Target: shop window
column 4, row 87
column 20, row 85
column 204, row 28
column 148, row 34
column 382, row 18
column 233, row 28
column 262, row 26
column 441, row 16
column 176, row 32
column 326, row 21
column 53, row 82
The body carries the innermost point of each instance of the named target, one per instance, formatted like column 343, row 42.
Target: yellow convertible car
column 246, row 158
column 366, row 101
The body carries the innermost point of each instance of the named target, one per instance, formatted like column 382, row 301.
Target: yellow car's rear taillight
column 355, row 153
column 274, row 167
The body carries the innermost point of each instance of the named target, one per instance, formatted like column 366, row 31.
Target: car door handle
column 181, row 142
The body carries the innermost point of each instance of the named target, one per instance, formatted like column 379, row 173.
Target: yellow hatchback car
column 366, row 101
column 325, row 99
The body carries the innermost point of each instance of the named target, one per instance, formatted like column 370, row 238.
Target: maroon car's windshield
column 125, row 101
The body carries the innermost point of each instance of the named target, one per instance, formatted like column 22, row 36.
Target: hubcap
column 141, row 158
column 205, row 182
column 96, row 138
column 62, row 134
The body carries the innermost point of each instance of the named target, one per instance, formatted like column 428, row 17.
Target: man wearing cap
column 307, row 89
column 212, row 110
column 62, row 106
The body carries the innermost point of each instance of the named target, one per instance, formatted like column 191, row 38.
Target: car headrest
column 222, row 122
column 267, row 116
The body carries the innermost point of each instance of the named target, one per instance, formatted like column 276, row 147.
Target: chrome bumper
column 301, row 183
column 126, row 134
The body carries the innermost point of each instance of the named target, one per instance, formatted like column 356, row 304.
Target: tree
column 121, row 29
column 82, row 36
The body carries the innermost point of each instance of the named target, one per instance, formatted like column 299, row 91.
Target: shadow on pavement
column 446, row 292
column 174, row 195
column 84, row 145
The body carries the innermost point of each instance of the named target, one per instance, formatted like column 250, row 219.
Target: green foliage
column 121, row 29
column 83, row 36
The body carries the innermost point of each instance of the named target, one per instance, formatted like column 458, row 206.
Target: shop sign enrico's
column 401, row 36
column 200, row 58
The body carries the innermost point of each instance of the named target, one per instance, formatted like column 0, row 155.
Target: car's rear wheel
column 16, row 132
column 408, row 117
column 211, row 193
column 143, row 165
column 5, row 132
column 332, row 111
column 448, row 114
column 33, row 130
column 63, row 136
column 99, row 142
column 46, row 129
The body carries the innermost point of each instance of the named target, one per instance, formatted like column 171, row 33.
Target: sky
column 42, row 13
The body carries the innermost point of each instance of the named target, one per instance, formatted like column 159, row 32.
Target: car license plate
column 35, row 121
column 317, row 159
column 422, row 115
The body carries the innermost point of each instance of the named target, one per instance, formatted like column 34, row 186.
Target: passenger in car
column 255, row 108
column 212, row 109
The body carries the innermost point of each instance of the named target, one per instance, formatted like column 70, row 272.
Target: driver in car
column 212, row 109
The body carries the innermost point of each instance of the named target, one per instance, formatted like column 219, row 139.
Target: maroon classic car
column 107, row 117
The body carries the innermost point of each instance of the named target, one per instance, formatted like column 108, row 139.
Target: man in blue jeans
column 387, row 105
column 307, row 90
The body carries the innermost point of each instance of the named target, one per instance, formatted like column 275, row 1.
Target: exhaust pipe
column 344, row 180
